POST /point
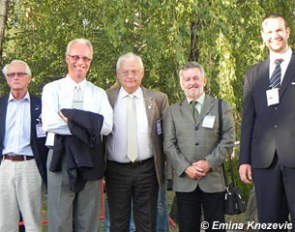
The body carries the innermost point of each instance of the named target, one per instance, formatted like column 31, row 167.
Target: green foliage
column 226, row 39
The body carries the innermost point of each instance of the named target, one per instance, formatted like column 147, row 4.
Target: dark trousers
column 126, row 182
column 275, row 193
column 190, row 206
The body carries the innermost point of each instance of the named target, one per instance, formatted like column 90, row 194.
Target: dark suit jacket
column 266, row 129
column 83, row 150
column 156, row 104
column 38, row 144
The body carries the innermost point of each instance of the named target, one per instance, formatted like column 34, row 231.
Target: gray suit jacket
column 156, row 104
column 186, row 142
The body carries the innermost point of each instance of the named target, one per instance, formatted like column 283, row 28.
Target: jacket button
column 197, row 144
column 275, row 126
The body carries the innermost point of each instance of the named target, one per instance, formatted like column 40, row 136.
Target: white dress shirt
column 18, row 127
column 58, row 95
column 117, row 141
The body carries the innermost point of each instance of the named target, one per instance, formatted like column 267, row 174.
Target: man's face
column 17, row 78
column 79, row 60
column 192, row 83
column 275, row 35
column 130, row 75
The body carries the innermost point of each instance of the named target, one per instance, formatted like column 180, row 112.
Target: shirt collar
column 73, row 84
column 200, row 100
column 285, row 56
column 26, row 97
column 123, row 93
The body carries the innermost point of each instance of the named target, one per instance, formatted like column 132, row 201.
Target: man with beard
column 197, row 145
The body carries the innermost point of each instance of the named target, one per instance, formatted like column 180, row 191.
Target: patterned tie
column 77, row 98
column 194, row 110
column 132, row 152
column 275, row 80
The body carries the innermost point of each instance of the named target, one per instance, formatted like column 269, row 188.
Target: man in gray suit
column 135, row 166
column 197, row 146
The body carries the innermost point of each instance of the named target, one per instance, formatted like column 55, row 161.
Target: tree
column 3, row 19
column 222, row 35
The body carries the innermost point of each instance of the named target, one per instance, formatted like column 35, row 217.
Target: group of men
column 63, row 139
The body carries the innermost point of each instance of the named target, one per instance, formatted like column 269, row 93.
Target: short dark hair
column 273, row 16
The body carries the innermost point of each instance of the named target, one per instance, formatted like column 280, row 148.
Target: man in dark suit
column 267, row 134
column 135, row 166
column 22, row 152
column 197, row 145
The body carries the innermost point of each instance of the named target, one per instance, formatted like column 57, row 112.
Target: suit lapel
column 289, row 76
column 186, row 111
column 150, row 106
column 3, row 108
column 206, row 108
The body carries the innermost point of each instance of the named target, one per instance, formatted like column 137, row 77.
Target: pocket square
column 293, row 83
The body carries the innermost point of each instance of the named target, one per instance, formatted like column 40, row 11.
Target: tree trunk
column 3, row 18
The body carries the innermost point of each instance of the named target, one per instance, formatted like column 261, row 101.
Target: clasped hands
column 198, row 170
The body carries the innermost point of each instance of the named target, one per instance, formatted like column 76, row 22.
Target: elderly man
column 135, row 166
column 197, row 146
column 22, row 152
column 78, row 114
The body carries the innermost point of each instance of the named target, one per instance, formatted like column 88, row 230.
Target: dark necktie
column 275, row 80
column 194, row 110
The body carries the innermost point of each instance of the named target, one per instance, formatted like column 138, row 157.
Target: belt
column 14, row 157
column 133, row 164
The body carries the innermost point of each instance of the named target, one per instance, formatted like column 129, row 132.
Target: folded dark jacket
column 83, row 151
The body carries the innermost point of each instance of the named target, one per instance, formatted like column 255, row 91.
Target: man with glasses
column 76, row 113
column 22, row 152
column 135, row 167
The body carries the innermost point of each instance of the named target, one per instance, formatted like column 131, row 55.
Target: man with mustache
column 197, row 145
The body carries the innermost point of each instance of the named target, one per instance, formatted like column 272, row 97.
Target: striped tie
column 275, row 80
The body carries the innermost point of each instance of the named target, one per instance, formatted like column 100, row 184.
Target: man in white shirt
column 267, row 132
column 69, row 208
column 135, row 166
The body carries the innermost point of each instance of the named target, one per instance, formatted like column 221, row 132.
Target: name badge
column 272, row 96
column 208, row 121
column 40, row 132
column 159, row 127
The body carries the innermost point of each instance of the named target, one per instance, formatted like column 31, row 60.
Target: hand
column 203, row 166
column 63, row 117
column 195, row 173
column 245, row 171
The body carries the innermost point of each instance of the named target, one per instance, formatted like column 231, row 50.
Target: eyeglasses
column 19, row 74
column 76, row 58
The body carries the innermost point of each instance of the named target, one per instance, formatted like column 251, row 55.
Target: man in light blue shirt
column 22, row 152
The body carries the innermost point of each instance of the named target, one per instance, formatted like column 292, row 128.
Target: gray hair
column 128, row 56
column 80, row 41
column 192, row 64
column 5, row 69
